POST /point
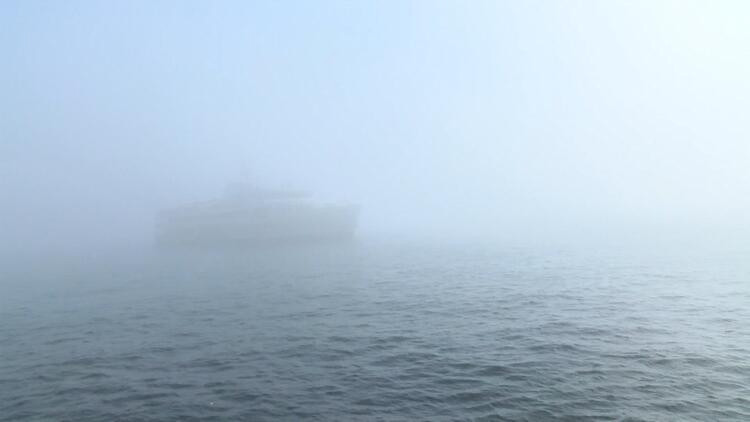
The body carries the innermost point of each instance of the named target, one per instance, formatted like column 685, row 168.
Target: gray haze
column 515, row 121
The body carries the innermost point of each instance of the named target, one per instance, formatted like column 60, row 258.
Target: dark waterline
column 379, row 332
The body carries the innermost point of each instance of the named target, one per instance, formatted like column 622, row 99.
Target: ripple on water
column 394, row 336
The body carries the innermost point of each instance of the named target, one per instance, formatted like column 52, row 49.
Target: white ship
column 250, row 216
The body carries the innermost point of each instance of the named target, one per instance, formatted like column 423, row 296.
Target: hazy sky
column 462, row 115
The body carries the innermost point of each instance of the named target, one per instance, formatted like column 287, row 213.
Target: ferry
column 253, row 216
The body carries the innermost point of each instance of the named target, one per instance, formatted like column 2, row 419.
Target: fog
column 518, row 210
column 522, row 121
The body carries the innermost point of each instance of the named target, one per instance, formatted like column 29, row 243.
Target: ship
column 250, row 216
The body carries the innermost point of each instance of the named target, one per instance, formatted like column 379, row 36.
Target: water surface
column 379, row 331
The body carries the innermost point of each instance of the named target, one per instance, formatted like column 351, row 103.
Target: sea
column 379, row 331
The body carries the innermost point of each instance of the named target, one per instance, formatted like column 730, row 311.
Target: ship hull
column 257, row 226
